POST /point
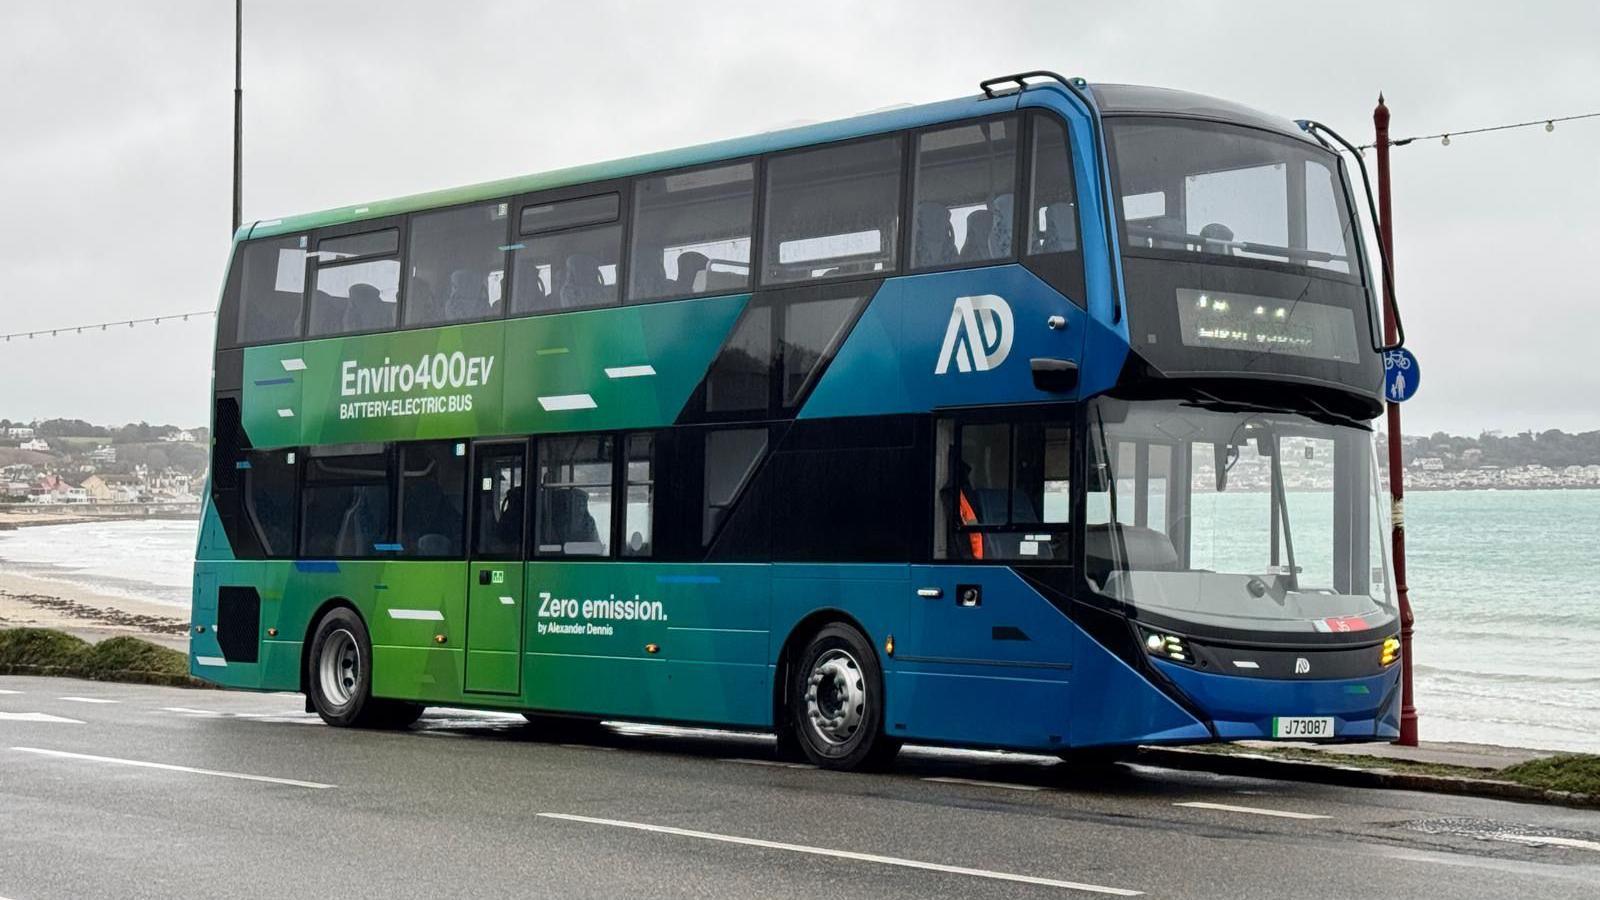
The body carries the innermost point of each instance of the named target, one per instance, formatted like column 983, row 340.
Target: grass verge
column 1568, row 778
column 41, row 651
column 1574, row 773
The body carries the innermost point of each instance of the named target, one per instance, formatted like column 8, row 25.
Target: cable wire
column 103, row 326
column 1445, row 136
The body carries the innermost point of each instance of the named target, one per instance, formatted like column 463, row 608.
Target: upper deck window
column 272, row 279
column 569, row 255
column 357, row 289
column 833, row 211
column 963, row 200
column 1218, row 190
column 457, row 264
column 691, row 232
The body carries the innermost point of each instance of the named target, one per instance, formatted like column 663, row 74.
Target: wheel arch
column 795, row 642
column 328, row 606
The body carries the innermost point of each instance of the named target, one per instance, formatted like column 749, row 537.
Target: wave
column 1504, row 677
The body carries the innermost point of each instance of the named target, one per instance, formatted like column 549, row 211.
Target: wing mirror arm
column 1317, row 130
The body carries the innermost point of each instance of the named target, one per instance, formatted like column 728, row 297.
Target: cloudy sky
column 114, row 161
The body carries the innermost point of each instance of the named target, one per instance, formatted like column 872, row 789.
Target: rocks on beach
column 93, row 615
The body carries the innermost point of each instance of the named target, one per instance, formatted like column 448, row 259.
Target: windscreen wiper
column 1206, row 400
column 1317, row 129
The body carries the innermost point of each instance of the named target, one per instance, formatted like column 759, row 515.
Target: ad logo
column 979, row 336
column 1302, row 666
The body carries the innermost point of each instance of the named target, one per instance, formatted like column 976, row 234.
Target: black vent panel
column 239, row 623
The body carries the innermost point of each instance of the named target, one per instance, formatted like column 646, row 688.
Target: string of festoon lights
column 1444, row 137
column 105, row 326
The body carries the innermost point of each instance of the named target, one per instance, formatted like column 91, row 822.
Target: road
column 129, row 791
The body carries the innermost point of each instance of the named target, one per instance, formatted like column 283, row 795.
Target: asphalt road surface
column 127, row 791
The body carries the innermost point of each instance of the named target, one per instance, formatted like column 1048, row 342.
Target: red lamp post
column 1397, row 491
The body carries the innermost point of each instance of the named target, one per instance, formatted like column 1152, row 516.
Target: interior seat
column 933, row 242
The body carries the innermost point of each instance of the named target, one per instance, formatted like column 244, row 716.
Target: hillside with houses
column 71, row 463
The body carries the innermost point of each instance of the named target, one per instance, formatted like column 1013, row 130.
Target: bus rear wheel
column 836, row 702
column 339, row 677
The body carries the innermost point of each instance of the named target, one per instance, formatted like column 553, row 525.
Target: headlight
column 1391, row 651
column 1167, row 646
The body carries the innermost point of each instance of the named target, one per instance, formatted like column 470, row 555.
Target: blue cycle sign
column 1401, row 375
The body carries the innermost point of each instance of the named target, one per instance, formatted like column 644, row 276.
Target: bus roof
column 1111, row 98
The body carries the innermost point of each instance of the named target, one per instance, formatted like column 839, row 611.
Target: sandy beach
column 29, row 601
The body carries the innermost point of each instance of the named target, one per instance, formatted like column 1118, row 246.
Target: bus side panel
column 407, row 605
column 622, row 367
column 682, row 642
column 273, row 405
column 910, row 351
column 997, row 672
column 264, row 664
column 871, row 594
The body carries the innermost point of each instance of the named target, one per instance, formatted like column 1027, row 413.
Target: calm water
column 1503, row 583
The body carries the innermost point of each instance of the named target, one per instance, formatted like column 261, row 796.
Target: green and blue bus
column 1037, row 419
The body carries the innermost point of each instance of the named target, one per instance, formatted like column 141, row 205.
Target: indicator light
column 438, row 639
column 1391, row 651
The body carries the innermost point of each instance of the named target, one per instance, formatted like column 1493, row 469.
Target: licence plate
column 1298, row 727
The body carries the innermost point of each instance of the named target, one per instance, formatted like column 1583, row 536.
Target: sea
column 1505, row 586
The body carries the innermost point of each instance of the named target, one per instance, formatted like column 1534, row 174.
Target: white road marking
column 35, row 717
column 422, row 615
column 773, row 763
column 630, row 371
column 994, row 784
column 1537, row 840
column 88, row 699
column 1252, row 810
column 292, row 782
column 846, row 854
column 564, row 402
column 186, row 711
column 3, row 691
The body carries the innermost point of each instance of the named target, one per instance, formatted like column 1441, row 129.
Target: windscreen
column 1227, row 191
column 1235, row 517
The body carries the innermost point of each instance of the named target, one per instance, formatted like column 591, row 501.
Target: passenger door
column 494, row 576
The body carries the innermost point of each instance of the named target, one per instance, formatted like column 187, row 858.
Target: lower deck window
column 574, row 508
column 1004, row 491
column 345, row 502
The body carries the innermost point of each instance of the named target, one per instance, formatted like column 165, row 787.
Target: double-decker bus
column 1037, row 419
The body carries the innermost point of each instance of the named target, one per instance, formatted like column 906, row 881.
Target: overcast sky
column 114, row 160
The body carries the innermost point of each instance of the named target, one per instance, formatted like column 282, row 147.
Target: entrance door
column 494, row 576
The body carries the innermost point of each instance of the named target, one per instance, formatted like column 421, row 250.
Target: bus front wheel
column 339, row 677
column 836, row 702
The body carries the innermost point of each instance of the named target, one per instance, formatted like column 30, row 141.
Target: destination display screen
column 1225, row 320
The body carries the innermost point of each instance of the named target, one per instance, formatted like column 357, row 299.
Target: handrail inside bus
column 1313, row 127
column 1076, row 86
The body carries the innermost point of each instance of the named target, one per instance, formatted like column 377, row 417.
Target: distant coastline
column 24, row 515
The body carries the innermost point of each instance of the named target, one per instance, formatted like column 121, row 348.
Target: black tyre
column 1089, row 760
column 339, row 677
column 836, row 702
